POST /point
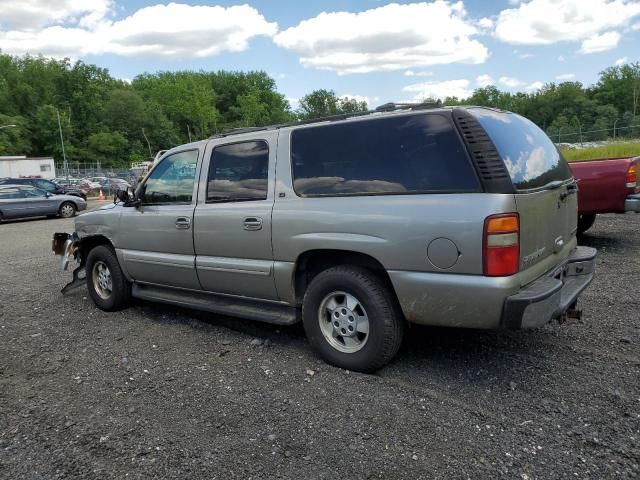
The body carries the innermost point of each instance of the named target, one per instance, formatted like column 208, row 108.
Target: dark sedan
column 19, row 201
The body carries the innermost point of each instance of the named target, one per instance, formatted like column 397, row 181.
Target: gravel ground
column 159, row 392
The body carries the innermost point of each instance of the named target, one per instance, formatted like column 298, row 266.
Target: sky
column 372, row 50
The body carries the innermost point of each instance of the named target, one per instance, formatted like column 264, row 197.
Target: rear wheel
column 352, row 319
column 67, row 210
column 585, row 222
column 108, row 287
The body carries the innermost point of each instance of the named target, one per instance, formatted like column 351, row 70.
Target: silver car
column 19, row 201
column 356, row 226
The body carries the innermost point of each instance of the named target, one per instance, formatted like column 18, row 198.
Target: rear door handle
column 253, row 223
column 183, row 223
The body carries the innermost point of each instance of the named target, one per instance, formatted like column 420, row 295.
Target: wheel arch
column 311, row 262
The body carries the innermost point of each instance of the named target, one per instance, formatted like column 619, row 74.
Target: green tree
column 324, row 103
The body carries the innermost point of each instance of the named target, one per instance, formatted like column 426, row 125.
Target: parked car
column 606, row 186
column 18, row 201
column 47, row 186
column 94, row 185
column 111, row 185
column 73, row 183
column 462, row 217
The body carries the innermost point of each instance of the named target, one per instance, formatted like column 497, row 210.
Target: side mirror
column 123, row 196
column 47, row 194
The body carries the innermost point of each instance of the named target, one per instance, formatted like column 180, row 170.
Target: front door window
column 171, row 182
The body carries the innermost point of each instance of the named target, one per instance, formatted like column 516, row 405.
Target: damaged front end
column 69, row 247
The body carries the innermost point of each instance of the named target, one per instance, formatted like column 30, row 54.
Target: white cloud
column 439, row 90
column 357, row 98
column 485, row 23
column 560, row 58
column 636, row 27
column 411, row 73
column 510, row 82
column 532, row 87
column 294, row 102
column 34, row 14
column 543, row 22
column 566, row 77
column 622, row 61
column 391, row 37
column 484, row 80
column 172, row 30
column 600, row 43
column 526, row 55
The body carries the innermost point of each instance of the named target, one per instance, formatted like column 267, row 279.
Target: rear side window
column 531, row 158
column 392, row 155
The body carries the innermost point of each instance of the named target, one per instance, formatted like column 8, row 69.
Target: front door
column 156, row 239
column 232, row 234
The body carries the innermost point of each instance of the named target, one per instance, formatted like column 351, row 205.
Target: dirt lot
column 158, row 392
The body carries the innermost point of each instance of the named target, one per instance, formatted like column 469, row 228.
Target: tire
column 67, row 210
column 356, row 350
column 102, row 259
column 585, row 222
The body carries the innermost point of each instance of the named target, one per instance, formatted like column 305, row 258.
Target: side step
column 220, row 304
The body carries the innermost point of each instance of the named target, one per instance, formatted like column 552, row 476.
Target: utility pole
column 614, row 128
column 148, row 144
column 65, row 166
column 189, row 132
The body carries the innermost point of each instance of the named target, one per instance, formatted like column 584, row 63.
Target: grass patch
column 613, row 150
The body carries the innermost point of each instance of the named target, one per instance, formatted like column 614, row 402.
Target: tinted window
column 238, row 172
column 393, row 155
column 529, row 155
column 172, row 180
column 44, row 185
column 30, row 192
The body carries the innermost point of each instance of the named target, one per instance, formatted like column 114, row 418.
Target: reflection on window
column 33, row 192
column 172, row 180
column 393, row 155
column 238, row 172
column 530, row 156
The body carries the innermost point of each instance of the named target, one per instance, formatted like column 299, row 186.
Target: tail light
column 632, row 176
column 501, row 245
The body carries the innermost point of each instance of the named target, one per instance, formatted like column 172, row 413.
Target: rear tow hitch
column 571, row 313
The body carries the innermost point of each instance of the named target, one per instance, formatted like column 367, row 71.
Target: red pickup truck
column 606, row 186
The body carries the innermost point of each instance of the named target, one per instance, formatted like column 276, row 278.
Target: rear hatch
column 546, row 193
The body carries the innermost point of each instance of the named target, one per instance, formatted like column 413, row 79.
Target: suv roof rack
column 387, row 107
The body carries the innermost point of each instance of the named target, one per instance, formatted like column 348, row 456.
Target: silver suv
column 357, row 226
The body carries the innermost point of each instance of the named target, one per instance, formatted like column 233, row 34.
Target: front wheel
column 67, row 210
column 108, row 287
column 352, row 319
column 585, row 222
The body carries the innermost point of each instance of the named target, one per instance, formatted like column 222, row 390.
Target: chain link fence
column 627, row 133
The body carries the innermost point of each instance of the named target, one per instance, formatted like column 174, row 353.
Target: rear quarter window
column 531, row 158
column 407, row 154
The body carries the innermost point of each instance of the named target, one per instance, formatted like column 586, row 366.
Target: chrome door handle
column 253, row 223
column 183, row 223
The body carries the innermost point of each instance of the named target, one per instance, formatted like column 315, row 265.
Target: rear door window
column 239, row 172
column 531, row 158
column 406, row 154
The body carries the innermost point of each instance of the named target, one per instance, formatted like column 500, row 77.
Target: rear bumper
column 632, row 203
column 552, row 295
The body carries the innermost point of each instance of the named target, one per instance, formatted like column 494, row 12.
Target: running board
column 220, row 304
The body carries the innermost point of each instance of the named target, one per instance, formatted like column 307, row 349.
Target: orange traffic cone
column 101, row 196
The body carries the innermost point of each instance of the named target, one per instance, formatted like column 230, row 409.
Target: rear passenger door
column 232, row 235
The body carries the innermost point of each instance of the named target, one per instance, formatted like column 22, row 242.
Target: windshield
column 531, row 158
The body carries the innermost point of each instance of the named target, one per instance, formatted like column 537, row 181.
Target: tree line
column 117, row 122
